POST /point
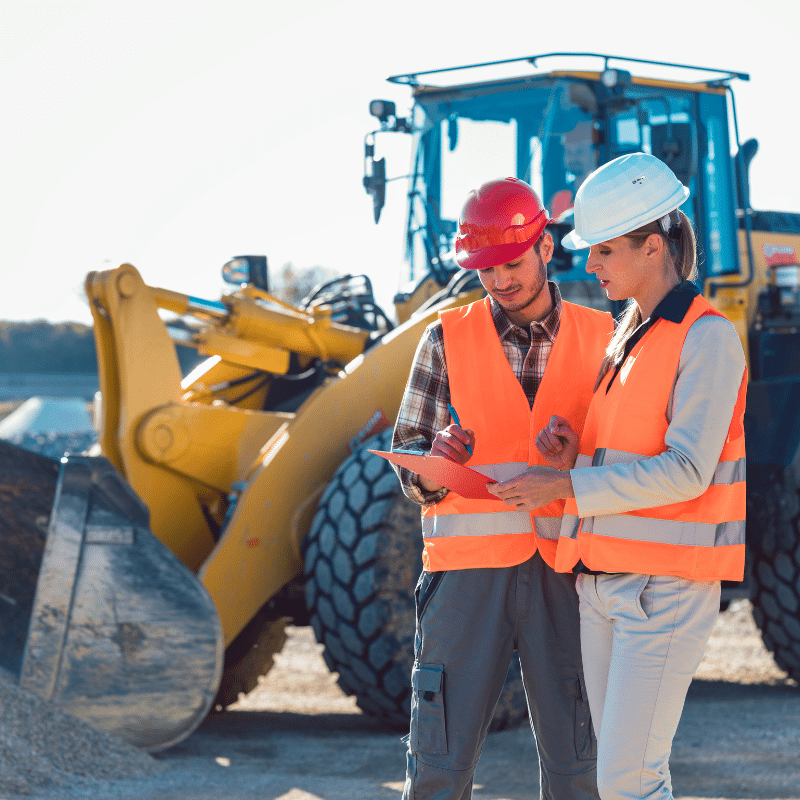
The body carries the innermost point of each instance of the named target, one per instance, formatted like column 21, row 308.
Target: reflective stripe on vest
column 722, row 502
column 570, row 521
column 487, row 524
column 667, row 531
column 460, row 533
column 702, row 538
column 726, row 471
column 462, row 517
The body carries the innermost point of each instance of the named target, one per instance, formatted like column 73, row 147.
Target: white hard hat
column 620, row 197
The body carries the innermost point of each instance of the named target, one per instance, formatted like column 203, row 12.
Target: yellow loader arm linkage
column 164, row 548
column 183, row 457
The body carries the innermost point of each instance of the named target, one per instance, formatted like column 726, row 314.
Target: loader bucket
column 27, row 488
column 121, row 633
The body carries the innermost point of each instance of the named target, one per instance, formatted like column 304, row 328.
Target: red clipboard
column 456, row 477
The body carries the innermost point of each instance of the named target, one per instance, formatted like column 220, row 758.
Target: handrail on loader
column 411, row 77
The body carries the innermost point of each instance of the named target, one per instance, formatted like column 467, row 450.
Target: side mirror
column 247, row 269
column 742, row 162
column 375, row 168
column 452, row 132
column 374, row 177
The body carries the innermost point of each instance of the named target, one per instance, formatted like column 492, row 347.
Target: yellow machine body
column 182, row 447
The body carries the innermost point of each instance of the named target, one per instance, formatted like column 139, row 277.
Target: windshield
column 552, row 133
column 545, row 135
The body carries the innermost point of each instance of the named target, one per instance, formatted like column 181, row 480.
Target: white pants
column 642, row 637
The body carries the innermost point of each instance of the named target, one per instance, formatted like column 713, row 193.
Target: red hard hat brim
column 493, row 255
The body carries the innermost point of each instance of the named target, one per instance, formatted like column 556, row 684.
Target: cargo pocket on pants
column 428, row 731
column 585, row 740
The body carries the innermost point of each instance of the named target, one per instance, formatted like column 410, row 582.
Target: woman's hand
column 534, row 488
column 558, row 443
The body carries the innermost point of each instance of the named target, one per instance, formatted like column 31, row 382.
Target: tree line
column 62, row 348
column 67, row 348
column 44, row 347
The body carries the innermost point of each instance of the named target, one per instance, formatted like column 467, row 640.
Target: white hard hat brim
column 572, row 241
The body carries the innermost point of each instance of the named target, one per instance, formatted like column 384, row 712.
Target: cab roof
column 662, row 73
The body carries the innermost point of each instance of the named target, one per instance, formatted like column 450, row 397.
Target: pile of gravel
column 41, row 746
column 54, row 445
column 44, row 747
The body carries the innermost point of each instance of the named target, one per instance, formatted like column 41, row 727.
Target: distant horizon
column 57, row 359
column 44, row 320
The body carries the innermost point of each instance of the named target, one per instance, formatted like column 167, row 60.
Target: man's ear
column 546, row 247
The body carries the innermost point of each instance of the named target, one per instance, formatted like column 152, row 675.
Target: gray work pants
column 643, row 638
column 468, row 624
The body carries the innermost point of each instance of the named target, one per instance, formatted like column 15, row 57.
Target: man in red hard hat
column 504, row 365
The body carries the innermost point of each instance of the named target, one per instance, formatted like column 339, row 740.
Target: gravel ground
column 297, row 737
column 42, row 747
column 54, row 445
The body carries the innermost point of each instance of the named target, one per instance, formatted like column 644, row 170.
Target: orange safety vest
column 461, row 533
column 701, row 539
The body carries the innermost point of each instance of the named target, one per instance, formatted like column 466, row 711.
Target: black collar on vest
column 675, row 305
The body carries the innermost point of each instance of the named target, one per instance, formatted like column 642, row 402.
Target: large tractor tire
column 773, row 517
column 362, row 560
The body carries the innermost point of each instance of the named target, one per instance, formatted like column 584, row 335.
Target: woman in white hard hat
column 655, row 488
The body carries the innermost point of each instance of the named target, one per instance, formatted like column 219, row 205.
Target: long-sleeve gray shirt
column 709, row 375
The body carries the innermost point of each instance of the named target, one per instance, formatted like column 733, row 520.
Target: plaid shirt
column 423, row 411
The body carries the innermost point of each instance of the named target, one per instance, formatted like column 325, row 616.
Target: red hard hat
column 498, row 223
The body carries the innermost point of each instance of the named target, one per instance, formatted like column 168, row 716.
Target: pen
column 457, row 422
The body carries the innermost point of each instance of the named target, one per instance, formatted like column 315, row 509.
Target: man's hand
column 558, row 443
column 534, row 488
column 451, row 443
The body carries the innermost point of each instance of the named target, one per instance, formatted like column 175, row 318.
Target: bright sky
column 175, row 134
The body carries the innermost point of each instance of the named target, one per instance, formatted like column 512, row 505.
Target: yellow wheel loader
column 167, row 575
column 222, row 504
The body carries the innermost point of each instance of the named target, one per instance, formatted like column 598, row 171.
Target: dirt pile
column 42, row 747
column 49, row 434
column 47, row 415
